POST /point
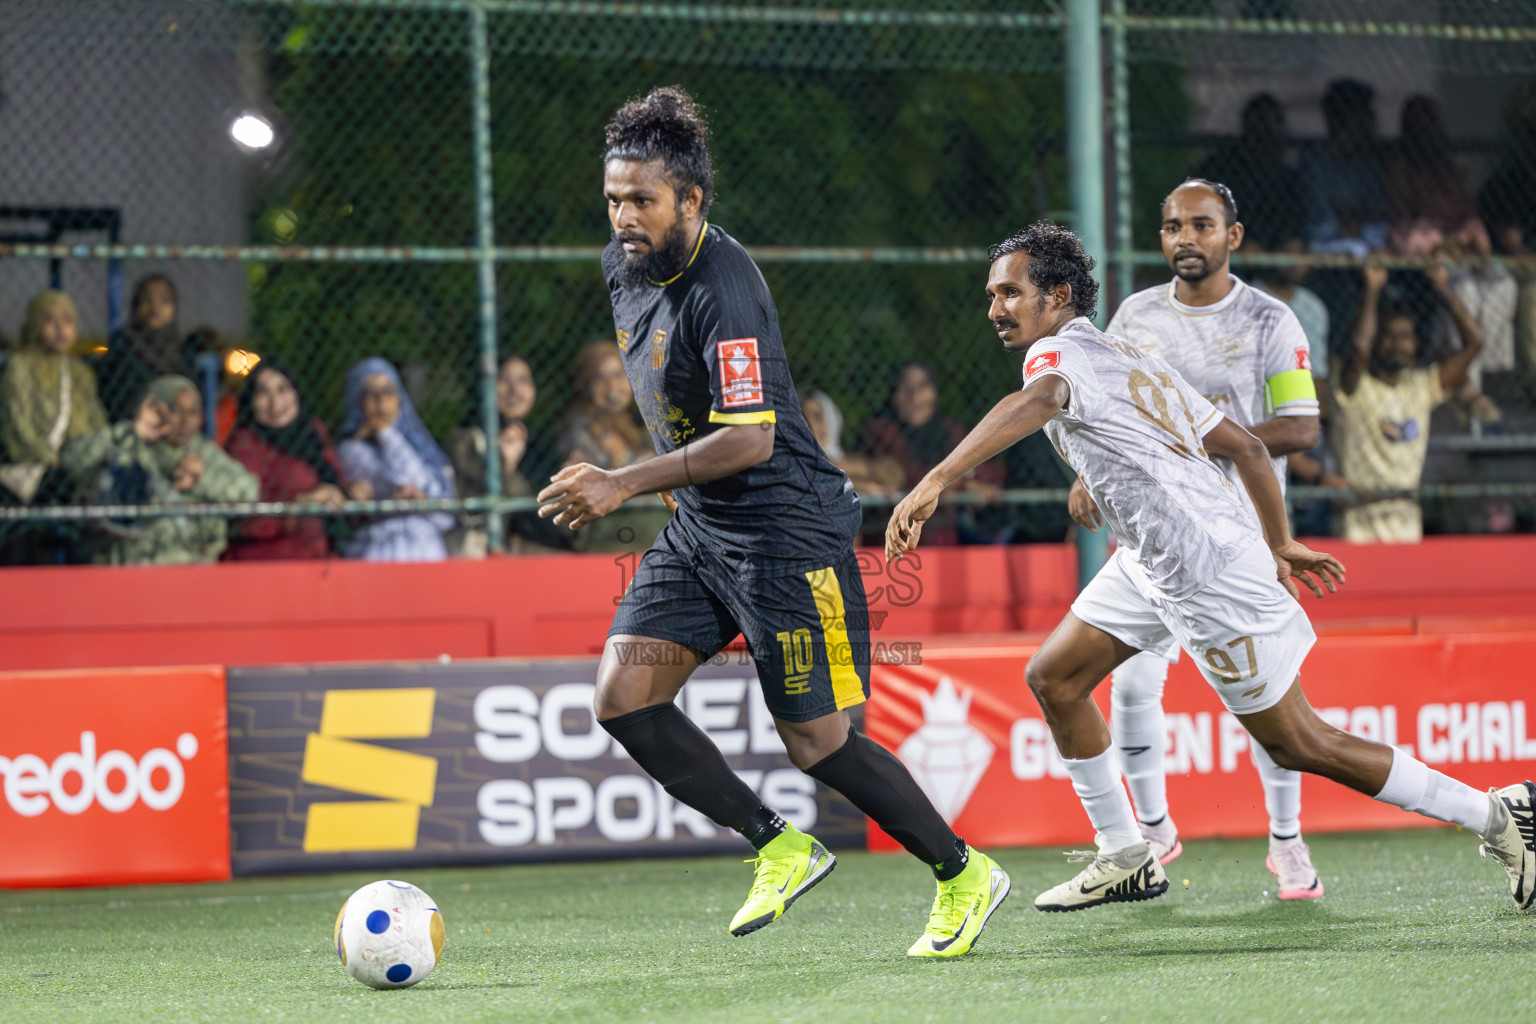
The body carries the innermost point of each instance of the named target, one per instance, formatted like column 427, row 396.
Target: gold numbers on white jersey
column 1222, row 664
column 1158, row 414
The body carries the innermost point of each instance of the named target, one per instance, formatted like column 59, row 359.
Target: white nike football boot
column 1511, row 838
column 1124, row 876
column 1290, row 861
column 1163, row 837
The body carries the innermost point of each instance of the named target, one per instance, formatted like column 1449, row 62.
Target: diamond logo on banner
column 947, row 755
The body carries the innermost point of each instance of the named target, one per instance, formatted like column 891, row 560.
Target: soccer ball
column 389, row 934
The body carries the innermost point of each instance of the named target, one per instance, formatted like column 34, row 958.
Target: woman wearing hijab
column 871, row 474
column 527, row 461
column 911, row 431
column 150, row 346
column 288, row 450
column 160, row 457
column 385, row 444
column 47, row 396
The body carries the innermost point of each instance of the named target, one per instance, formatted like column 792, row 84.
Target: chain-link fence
column 430, row 195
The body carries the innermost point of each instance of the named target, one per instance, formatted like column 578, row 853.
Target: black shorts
column 808, row 633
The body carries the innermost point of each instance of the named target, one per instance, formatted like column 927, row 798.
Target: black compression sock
column 677, row 754
column 880, row 786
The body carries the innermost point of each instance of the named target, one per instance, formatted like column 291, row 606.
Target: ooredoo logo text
column 114, row 779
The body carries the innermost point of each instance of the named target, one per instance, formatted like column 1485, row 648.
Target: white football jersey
column 1132, row 430
column 1228, row 350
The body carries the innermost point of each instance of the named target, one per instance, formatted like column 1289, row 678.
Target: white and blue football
column 389, row 934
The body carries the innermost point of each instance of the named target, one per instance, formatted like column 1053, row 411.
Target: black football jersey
column 703, row 350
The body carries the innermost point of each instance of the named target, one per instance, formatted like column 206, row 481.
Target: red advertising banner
column 113, row 777
column 966, row 724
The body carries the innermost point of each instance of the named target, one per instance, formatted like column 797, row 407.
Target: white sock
column 1282, row 792
column 1097, row 782
column 1141, row 731
column 1415, row 786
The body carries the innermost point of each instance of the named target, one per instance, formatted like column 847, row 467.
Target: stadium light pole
column 1085, row 167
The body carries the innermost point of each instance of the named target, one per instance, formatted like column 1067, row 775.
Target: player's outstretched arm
column 1292, row 559
column 581, row 493
column 1010, row 421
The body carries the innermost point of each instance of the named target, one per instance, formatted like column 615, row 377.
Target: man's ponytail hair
column 667, row 125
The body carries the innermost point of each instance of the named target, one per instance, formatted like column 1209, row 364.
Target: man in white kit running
column 1246, row 352
column 1195, row 566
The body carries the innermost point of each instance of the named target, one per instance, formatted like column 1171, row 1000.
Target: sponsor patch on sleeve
column 1040, row 363
column 1303, row 359
column 741, row 372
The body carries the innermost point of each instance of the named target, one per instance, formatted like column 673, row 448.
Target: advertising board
column 441, row 763
column 113, row 776
column 967, row 726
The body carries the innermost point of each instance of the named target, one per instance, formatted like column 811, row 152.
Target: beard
column 1199, row 272
column 659, row 261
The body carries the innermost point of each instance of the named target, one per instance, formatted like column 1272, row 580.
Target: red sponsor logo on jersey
column 1043, row 361
column 1303, row 359
column 741, row 372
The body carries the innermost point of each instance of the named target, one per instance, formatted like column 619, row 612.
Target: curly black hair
column 665, row 124
column 1056, row 255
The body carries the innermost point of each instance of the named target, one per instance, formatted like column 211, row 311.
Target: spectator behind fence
column 1507, row 198
column 159, row 457
column 1384, row 403
column 385, row 444
column 1254, row 166
column 910, row 430
column 47, row 396
column 871, row 474
column 276, row 438
column 1341, row 179
column 528, row 460
column 605, row 430
column 150, row 346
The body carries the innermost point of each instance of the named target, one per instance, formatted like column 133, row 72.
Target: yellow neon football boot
column 962, row 907
column 787, row 868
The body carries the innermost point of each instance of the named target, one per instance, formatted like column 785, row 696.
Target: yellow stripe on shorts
column 847, row 689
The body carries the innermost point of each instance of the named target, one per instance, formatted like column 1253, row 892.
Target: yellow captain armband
column 764, row 416
column 1290, row 386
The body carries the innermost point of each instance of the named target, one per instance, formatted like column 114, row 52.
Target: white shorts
column 1247, row 636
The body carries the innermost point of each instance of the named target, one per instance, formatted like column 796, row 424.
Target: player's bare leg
column 1298, row 739
column 1063, row 674
column 1140, row 731
column 637, row 680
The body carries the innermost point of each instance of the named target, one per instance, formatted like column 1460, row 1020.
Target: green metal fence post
column 485, row 241
column 1085, row 165
column 1120, row 146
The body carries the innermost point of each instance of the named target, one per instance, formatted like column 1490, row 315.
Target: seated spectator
column 871, row 474
column 150, row 346
column 1384, row 403
column 385, row 445
column 1254, row 166
column 289, row 451
column 47, row 396
column 528, row 460
column 160, row 457
column 910, row 430
column 1507, row 198
column 1341, row 179
column 1426, row 188
column 605, row 430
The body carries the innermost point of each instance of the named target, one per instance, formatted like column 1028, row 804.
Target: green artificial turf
column 1414, row 927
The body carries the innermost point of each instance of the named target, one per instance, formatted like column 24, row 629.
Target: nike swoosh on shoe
column 941, row 945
